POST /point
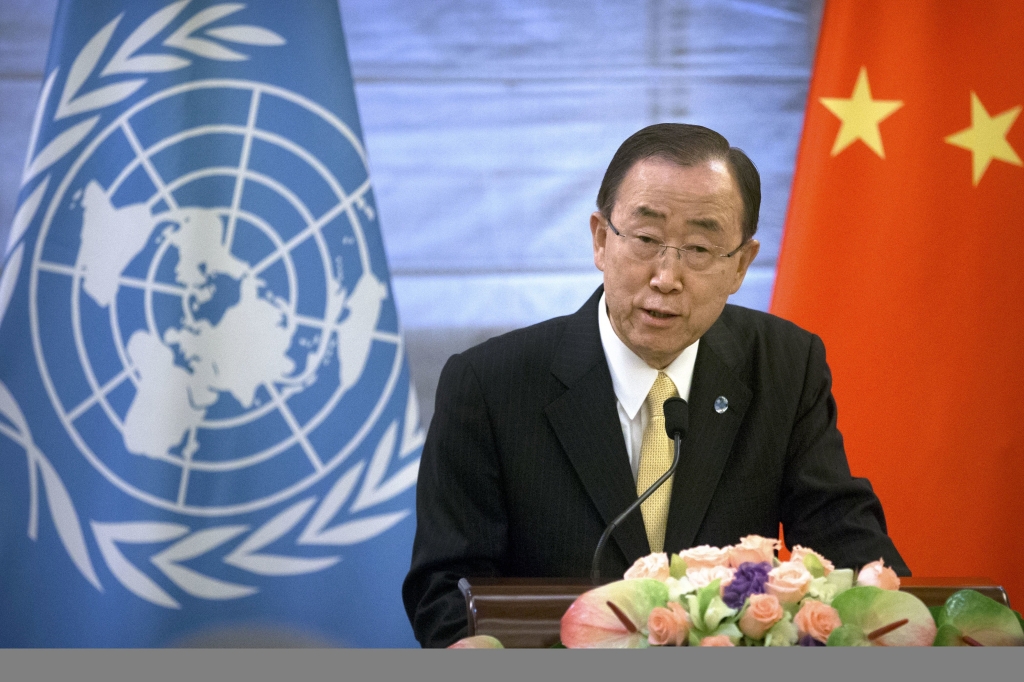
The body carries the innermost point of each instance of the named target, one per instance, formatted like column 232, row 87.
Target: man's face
column 660, row 307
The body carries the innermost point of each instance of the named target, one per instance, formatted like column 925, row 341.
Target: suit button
column 721, row 404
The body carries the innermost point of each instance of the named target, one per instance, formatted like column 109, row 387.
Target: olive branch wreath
column 195, row 37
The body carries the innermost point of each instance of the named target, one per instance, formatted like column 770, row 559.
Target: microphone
column 677, row 420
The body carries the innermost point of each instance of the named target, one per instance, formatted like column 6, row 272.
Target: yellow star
column 986, row 138
column 860, row 116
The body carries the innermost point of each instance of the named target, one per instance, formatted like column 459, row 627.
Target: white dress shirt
column 632, row 379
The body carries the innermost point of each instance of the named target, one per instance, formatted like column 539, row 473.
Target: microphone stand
column 595, row 567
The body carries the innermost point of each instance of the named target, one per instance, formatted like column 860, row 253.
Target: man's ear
column 745, row 257
column 599, row 235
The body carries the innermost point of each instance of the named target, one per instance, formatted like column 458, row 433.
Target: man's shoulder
column 766, row 352
column 539, row 344
column 758, row 332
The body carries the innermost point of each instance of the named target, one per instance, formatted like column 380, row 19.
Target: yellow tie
column 655, row 459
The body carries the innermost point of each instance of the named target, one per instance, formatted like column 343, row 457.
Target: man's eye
column 696, row 248
column 644, row 239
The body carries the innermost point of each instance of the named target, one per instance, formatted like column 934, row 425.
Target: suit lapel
column 709, row 439
column 586, row 422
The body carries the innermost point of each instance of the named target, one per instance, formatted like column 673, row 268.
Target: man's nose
column 669, row 270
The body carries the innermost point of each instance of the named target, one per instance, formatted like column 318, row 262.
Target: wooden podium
column 527, row 612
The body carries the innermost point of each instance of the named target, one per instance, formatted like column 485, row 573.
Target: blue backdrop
column 207, row 428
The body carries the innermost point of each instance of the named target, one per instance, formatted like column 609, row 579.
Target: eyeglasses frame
column 679, row 249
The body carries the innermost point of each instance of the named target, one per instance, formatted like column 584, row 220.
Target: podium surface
column 527, row 612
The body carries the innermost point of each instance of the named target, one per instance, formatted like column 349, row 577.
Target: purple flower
column 749, row 579
column 807, row 640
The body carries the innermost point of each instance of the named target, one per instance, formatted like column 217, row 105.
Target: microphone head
column 677, row 417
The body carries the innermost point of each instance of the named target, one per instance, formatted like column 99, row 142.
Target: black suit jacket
column 525, row 464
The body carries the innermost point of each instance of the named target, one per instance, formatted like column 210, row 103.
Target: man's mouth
column 658, row 314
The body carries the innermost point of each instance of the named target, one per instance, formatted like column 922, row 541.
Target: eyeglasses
column 697, row 257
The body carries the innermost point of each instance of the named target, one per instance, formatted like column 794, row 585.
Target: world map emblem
column 241, row 306
column 211, row 321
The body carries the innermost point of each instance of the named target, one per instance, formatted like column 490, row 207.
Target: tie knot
column 662, row 390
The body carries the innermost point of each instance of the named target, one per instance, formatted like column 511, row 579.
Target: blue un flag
column 207, row 428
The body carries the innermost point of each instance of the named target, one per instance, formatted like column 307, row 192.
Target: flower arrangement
column 744, row 596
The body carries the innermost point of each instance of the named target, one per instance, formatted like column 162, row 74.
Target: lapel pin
column 721, row 404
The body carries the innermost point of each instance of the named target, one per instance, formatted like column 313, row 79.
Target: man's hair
column 686, row 145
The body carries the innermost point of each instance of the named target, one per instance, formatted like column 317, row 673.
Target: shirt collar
column 632, row 378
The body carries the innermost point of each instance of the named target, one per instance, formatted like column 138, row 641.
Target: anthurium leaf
column 848, row 635
column 591, row 623
column 983, row 619
column 872, row 608
column 948, row 635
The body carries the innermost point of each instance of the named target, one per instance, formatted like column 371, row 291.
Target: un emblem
column 229, row 271
column 211, row 322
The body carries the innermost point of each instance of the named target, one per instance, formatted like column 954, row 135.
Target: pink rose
column 877, row 574
column 763, row 611
column 702, row 577
column 653, row 566
column 754, row 549
column 668, row 626
column 705, row 556
column 789, row 582
column 716, row 640
column 817, row 620
column 799, row 552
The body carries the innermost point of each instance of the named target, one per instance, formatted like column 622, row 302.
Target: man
column 542, row 436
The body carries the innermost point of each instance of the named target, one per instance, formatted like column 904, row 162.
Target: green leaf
column 729, row 630
column 842, row 578
column 678, row 588
column 558, row 645
column 871, row 608
column 677, row 567
column 709, row 614
column 717, row 613
column 747, row 641
column 848, row 635
column 983, row 619
column 939, row 614
column 783, row 633
column 692, row 607
column 814, row 566
column 706, row 594
column 948, row 635
column 821, row 590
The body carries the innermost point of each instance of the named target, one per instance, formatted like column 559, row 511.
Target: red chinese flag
column 903, row 251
